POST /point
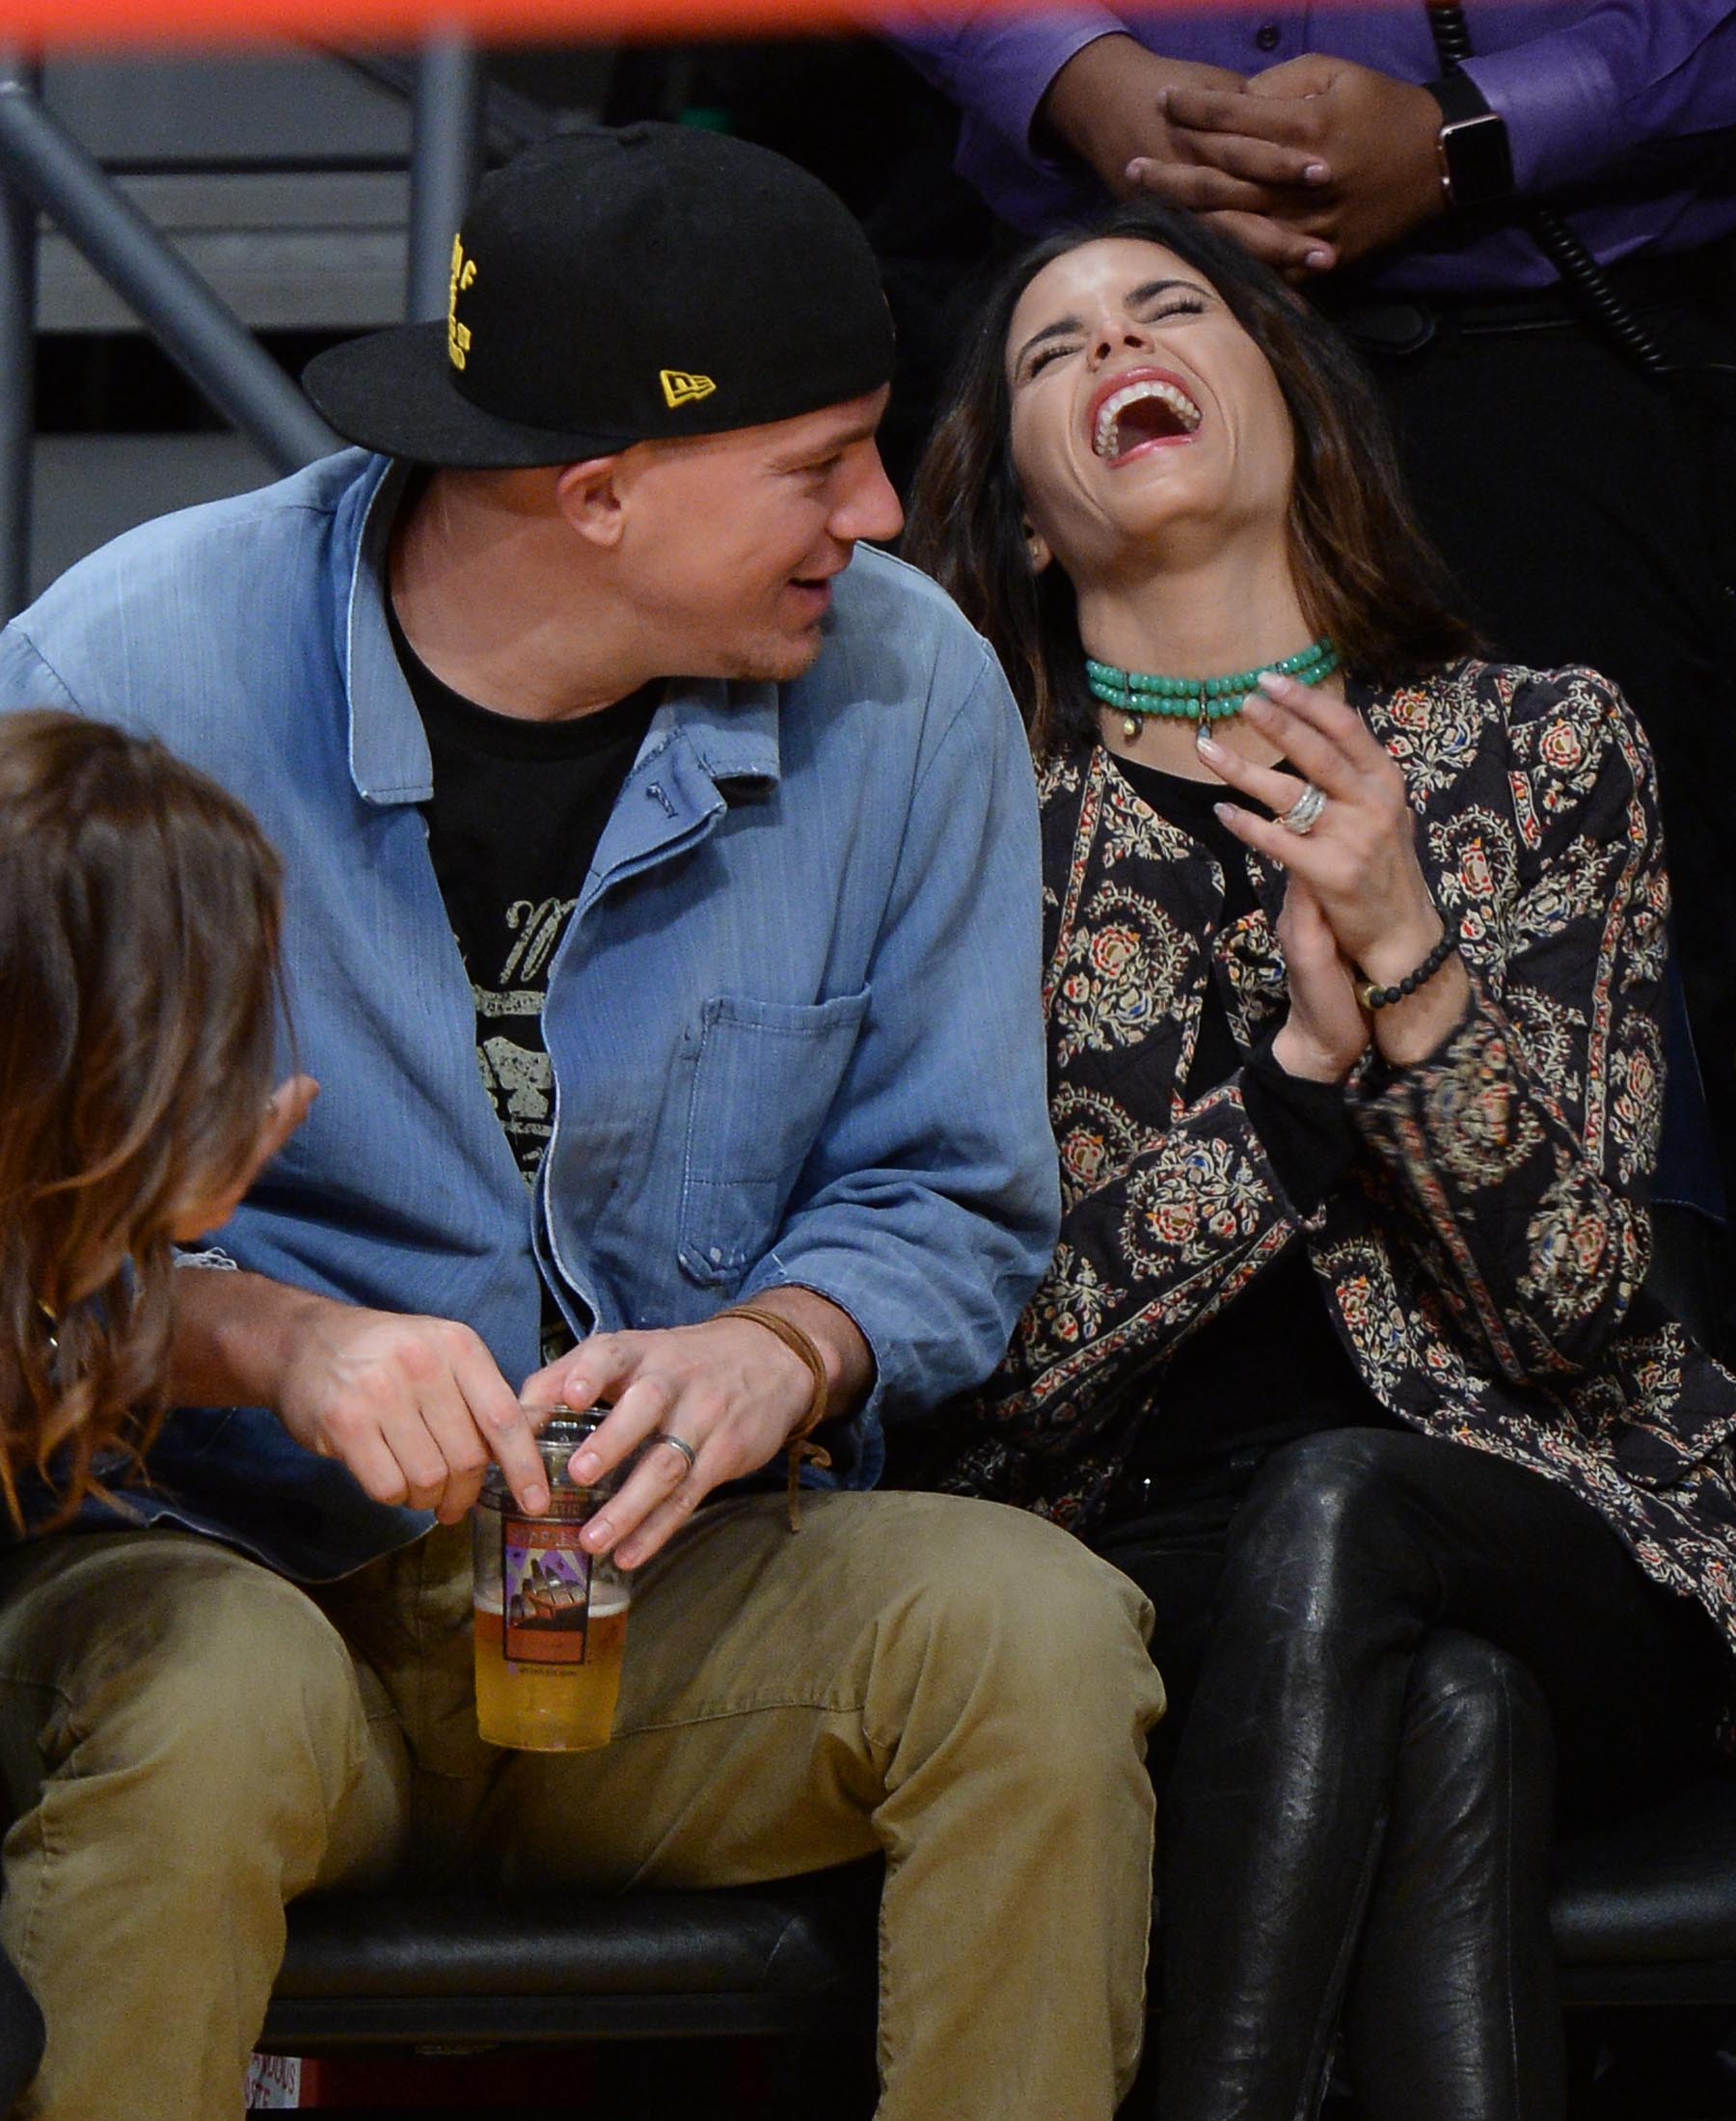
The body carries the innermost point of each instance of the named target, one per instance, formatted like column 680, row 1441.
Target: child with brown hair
column 138, row 921
column 138, row 985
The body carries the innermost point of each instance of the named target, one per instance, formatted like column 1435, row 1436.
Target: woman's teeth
column 1106, row 436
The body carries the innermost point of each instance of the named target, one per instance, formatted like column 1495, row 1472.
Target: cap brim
column 394, row 392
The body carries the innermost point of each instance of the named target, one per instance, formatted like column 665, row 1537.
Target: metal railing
column 445, row 152
column 43, row 170
column 17, row 366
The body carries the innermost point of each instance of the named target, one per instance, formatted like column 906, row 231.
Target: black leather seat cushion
column 790, row 1941
column 794, row 1957
column 1643, row 1912
column 1660, row 1888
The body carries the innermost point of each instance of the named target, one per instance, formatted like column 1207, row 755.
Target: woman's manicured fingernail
column 1317, row 173
column 1224, row 812
column 1209, row 747
column 1317, row 261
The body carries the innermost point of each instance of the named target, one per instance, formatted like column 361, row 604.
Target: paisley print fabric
column 1484, row 1262
column 1125, row 954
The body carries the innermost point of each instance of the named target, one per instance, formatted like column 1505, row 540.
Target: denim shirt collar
column 706, row 734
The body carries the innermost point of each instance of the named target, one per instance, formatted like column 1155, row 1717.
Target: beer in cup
column 550, row 1618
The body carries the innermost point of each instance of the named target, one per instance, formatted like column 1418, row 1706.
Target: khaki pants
column 189, row 1741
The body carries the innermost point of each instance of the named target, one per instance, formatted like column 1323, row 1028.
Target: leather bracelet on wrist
column 1373, row 997
column 797, row 1447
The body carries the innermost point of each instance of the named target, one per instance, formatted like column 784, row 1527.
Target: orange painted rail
column 232, row 23
column 229, row 22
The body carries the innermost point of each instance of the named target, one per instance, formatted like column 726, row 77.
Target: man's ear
column 1038, row 547
column 589, row 496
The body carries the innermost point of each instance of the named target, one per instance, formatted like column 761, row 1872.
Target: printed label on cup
column 546, row 1591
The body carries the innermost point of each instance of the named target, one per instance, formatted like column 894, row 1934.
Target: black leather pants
column 1372, row 1639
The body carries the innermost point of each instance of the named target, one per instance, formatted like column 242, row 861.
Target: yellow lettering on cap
column 681, row 388
column 458, row 336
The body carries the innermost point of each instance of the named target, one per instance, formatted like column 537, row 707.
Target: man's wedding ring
column 1306, row 812
column 675, row 1443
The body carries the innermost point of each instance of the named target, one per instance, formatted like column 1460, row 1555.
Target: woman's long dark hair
column 139, row 1009
column 1364, row 572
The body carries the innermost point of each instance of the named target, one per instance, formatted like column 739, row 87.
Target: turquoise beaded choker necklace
column 1200, row 700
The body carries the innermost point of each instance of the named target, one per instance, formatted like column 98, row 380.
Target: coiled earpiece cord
column 1585, row 280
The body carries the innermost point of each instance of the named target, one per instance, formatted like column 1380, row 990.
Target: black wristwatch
column 1477, row 164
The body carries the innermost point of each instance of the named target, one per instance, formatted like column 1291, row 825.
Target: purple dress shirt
column 1623, row 112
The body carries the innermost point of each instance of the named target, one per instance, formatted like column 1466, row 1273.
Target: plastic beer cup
column 551, row 1619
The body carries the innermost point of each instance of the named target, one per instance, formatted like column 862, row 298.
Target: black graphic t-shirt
column 517, row 812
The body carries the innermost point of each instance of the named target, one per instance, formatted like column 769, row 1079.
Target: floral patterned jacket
column 1483, row 1261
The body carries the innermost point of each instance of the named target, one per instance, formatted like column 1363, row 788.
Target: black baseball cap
column 613, row 286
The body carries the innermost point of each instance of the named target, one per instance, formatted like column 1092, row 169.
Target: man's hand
column 1106, row 105
column 729, row 1389
column 1110, row 105
column 414, row 1407
column 1368, row 141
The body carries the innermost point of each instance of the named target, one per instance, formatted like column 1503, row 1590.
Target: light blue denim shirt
column 794, row 1020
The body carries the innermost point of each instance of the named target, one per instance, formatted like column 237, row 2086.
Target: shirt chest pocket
column 765, row 1074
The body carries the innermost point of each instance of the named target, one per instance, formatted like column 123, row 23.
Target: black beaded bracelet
column 1382, row 998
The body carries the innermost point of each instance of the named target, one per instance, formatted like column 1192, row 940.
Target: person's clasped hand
column 1326, row 1033
column 1357, row 861
column 1315, row 164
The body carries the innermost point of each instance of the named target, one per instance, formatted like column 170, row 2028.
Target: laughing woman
column 1354, row 950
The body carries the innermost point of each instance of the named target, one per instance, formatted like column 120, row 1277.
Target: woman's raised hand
column 1325, row 1033
column 1358, row 857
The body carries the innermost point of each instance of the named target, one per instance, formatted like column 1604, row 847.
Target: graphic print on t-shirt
column 516, row 1069
column 518, row 810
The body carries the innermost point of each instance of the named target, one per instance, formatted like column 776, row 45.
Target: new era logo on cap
column 681, row 388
